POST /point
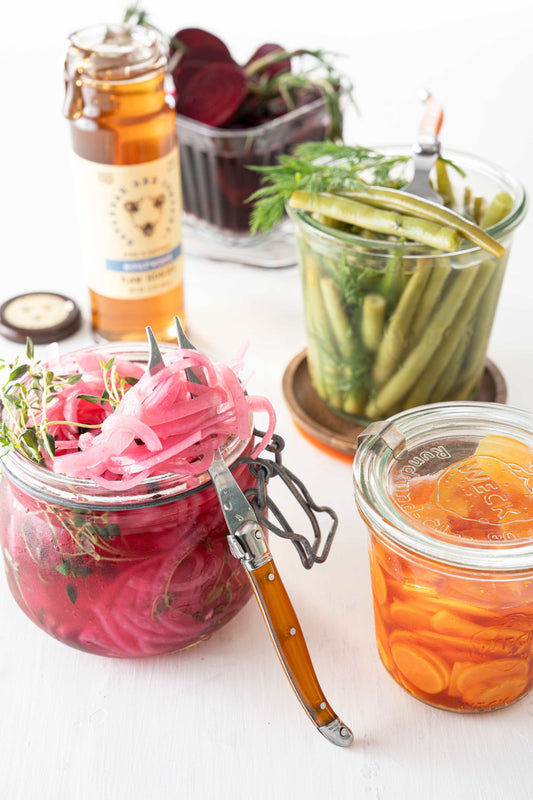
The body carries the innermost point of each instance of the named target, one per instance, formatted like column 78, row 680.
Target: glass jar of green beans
column 392, row 323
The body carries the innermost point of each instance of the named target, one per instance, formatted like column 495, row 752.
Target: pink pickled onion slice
column 164, row 423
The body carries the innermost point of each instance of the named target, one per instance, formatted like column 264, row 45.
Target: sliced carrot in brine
column 446, row 622
column 379, row 586
column 506, row 449
column 382, row 639
column 457, row 670
column 507, row 692
column 408, row 616
column 422, row 668
column 495, row 682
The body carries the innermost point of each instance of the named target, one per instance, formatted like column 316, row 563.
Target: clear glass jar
column 216, row 178
column 392, row 325
column 126, row 162
column 134, row 573
column 450, row 521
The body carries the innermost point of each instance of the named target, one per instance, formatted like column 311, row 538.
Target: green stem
column 396, row 334
column 379, row 220
column 448, row 378
column 337, row 318
column 475, row 361
column 439, row 275
column 392, row 198
column 444, row 185
column 373, row 321
column 440, row 374
column 417, row 360
column 322, row 350
column 354, row 400
column 498, row 209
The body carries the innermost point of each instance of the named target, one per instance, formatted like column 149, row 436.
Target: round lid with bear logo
column 42, row 316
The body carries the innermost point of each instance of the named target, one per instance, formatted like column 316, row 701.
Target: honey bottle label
column 130, row 219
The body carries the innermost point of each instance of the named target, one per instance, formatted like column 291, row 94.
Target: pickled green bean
column 379, row 220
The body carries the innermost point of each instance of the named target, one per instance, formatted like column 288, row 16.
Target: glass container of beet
column 234, row 116
column 446, row 492
column 215, row 166
column 125, row 572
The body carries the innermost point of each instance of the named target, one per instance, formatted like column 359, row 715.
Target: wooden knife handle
column 432, row 119
column 291, row 647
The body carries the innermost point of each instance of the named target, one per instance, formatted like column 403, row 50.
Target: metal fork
column 247, row 542
column 426, row 151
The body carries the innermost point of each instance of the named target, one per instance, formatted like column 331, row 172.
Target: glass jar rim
column 137, row 51
column 374, row 457
column 505, row 226
column 201, row 128
column 155, row 490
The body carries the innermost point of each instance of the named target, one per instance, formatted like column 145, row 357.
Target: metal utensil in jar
column 426, row 151
column 247, row 542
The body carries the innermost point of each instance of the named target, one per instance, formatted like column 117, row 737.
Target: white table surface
column 220, row 720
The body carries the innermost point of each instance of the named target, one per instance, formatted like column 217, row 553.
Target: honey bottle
column 123, row 130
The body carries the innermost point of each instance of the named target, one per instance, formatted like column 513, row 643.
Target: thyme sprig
column 320, row 167
column 26, row 401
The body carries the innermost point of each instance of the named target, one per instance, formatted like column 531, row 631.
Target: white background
column 220, row 721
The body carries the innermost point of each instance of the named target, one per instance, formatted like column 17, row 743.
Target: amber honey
column 126, row 162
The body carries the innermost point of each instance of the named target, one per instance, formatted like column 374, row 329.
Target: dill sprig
column 320, row 167
column 316, row 75
column 26, row 398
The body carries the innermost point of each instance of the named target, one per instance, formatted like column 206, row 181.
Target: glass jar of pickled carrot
column 126, row 164
column 138, row 572
column 446, row 492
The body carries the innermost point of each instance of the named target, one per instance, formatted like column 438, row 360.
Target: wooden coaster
column 324, row 426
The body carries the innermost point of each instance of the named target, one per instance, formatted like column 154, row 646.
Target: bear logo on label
column 143, row 209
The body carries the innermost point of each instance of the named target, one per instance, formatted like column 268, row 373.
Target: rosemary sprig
column 26, row 401
column 319, row 167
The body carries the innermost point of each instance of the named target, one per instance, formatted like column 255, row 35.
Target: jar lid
column 115, row 52
column 43, row 316
column 451, row 481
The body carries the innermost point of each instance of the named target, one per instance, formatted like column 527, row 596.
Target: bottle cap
column 43, row 316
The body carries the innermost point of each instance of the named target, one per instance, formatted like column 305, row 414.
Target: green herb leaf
column 63, row 568
column 319, row 167
column 26, row 394
column 49, row 444
column 107, row 532
column 17, row 373
column 72, row 592
column 90, row 398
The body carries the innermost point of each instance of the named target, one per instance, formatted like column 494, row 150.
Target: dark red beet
column 273, row 69
column 197, row 37
column 213, row 93
column 195, row 59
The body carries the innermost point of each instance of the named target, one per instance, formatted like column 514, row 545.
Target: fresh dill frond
column 319, row 167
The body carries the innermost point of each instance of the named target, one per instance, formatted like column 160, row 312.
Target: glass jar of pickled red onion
column 446, row 492
column 131, row 573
